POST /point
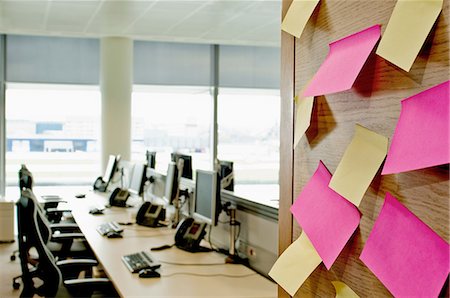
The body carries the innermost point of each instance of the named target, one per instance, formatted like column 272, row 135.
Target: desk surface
column 221, row 280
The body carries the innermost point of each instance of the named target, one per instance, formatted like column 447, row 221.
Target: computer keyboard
column 111, row 226
column 140, row 260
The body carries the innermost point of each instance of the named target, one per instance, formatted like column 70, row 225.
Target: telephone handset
column 100, row 185
column 119, row 197
column 149, row 215
column 189, row 234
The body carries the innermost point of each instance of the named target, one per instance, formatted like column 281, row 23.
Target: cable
column 192, row 264
column 209, row 275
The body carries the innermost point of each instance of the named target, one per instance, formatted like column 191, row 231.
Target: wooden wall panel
column 286, row 139
column 374, row 102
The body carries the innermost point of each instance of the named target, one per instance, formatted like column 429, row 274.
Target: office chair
column 62, row 240
column 53, row 274
column 50, row 206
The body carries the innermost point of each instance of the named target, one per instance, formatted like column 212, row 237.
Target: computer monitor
column 25, row 178
column 187, row 167
column 171, row 187
column 137, row 180
column 226, row 175
column 207, row 203
column 151, row 159
column 110, row 168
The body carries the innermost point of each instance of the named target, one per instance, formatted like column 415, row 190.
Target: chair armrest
column 86, row 286
column 70, row 269
column 52, row 203
column 65, row 227
column 57, row 237
column 57, row 210
column 76, row 262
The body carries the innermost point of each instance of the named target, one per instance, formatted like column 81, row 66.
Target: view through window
column 249, row 134
column 172, row 119
column 54, row 130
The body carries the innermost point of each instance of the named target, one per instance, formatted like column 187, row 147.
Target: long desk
column 218, row 279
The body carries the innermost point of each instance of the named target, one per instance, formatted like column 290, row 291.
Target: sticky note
column 360, row 163
column 406, row 255
column 343, row 291
column 302, row 117
column 344, row 62
column 297, row 16
column 295, row 265
column 421, row 138
column 327, row 218
column 409, row 25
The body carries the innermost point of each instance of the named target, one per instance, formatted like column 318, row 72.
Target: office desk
column 176, row 280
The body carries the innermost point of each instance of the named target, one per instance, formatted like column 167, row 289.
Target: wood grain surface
column 374, row 102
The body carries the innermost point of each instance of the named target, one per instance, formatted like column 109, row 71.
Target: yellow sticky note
column 295, row 264
column 408, row 27
column 303, row 117
column 360, row 163
column 343, row 291
column 297, row 16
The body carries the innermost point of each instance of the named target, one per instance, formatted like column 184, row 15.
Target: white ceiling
column 244, row 22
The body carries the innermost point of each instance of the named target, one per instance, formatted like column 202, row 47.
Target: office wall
column 374, row 102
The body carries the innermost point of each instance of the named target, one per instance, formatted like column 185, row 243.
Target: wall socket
column 248, row 250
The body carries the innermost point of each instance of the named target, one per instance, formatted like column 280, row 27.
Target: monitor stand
column 233, row 257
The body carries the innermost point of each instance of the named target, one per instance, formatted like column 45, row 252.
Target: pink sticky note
column 344, row 62
column 408, row 257
column 421, row 137
column 326, row 217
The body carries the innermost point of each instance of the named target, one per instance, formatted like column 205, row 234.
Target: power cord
column 209, row 275
column 191, row 264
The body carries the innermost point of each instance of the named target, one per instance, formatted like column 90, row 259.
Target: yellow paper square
column 297, row 16
column 303, row 117
column 343, row 291
column 360, row 163
column 407, row 30
column 295, row 264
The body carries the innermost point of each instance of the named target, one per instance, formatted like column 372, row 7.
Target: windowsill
column 265, row 194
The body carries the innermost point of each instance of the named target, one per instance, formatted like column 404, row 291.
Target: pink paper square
column 422, row 135
column 326, row 217
column 408, row 257
column 343, row 63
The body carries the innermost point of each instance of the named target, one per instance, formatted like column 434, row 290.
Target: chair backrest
column 43, row 223
column 30, row 237
column 25, row 178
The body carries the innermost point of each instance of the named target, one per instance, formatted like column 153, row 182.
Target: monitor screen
column 110, row 168
column 187, row 166
column 137, row 180
column 226, row 175
column 207, row 204
column 151, row 159
column 171, row 187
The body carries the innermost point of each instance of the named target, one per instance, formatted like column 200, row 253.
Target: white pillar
column 116, row 82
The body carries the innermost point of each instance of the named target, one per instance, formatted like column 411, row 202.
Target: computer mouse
column 148, row 273
column 114, row 235
column 80, row 196
column 95, row 211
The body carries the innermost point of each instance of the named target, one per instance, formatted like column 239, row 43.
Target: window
column 54, row 130
column 249, row 134
column 169, row 119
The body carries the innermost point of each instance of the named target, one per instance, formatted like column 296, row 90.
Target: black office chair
column 52, row 274
column 50, row 206
column 62, row 240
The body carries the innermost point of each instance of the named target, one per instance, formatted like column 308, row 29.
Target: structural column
column 116, row 83
column 2, row 114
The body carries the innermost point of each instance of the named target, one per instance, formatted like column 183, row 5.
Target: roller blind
column 249, row 67
column 52, row 60
column 163, row 63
